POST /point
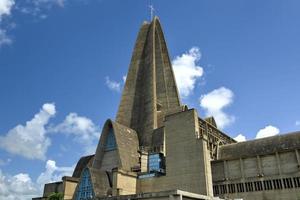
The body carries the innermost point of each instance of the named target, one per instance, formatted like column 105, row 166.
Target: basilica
column 158, row 148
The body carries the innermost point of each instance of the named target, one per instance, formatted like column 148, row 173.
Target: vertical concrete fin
column 167, row 91
column 126, row 107
column 150, row 90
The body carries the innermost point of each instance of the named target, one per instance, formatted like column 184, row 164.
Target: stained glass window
column 110, row 141
column 85, row 190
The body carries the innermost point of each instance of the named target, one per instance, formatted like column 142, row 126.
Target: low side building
column 262, row 169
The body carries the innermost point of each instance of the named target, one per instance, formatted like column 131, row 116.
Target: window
column 156, row 163
column 231, row 188
column 257, row 186
column 85, row 190
column 249, row 186
column 297, row 181
column 277, row 184
column 268, row 185
column 216, row 190
column 240, row 187
column 223, row 189
column 287, row 182
column 110, row 141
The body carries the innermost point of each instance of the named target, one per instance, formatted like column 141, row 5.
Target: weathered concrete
column 150, row 90
column 195, row 159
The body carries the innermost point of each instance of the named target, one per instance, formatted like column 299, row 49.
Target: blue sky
column 62, row 64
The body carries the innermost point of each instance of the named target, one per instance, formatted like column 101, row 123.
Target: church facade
column 157, row 148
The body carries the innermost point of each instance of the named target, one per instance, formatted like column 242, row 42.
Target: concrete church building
column 157, row 148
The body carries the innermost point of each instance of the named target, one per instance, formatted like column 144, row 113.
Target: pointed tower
column 150, row 90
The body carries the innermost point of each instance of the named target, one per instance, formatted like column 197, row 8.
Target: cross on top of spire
column 151, row 11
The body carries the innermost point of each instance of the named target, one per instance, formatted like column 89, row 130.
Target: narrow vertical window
column 110, row 141
column 297, row 181
column 216, row 190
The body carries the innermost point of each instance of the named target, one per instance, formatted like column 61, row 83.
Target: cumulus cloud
column 6, row 7
column 5, row 10
column 124, row 78
column 48, row 3
column 113, row 85
column 267, row 132
column 82, row 129
column 187, row 71
column 17, row 187
column 53, row 173
column 35, row 8
column 240, row 138
column 30, row 140
column 22, row 187
column 214, row 103
column 4, row 38
column 33, row 139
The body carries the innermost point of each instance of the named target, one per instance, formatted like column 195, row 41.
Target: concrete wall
column 163, row 195
column 110, row 160
column 53, row 187
column 69, row 189
column 187, row 158
column 124, row 183
column 267, row 170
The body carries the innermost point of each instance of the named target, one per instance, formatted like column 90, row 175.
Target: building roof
column 127, row 145
column 263, row 146
column 83, row 162
column 212, row 121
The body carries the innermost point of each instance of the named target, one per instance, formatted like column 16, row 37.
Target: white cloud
column 113, row 85
column 214, row 102
column 22, row 187
column 187, row 71
column 38, row 8
column 5, row 10
column 240, row 138
column 4, row 38
column 267, row 132
column 81, row 128
column 60, row 3
column 6, row 7
column 30, row 141
column 297, row 123
column 124, row 78
column 17, row 187
column 53, row 173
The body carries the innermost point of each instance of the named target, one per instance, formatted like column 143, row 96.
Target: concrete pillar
column 278, row 164
column 242, row 169
column 298, row 157
column 259, row 167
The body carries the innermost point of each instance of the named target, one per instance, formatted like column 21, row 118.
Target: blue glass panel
column 85, row 190
column 147, row 176
column 110, row 141
column 154, row 162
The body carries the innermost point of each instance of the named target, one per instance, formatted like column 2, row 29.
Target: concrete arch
column 126, row 142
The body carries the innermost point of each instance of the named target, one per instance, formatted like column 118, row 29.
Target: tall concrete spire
column 150, row 90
